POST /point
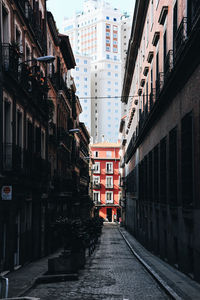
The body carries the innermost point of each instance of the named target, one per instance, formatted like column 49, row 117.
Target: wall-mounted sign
column 6, row 192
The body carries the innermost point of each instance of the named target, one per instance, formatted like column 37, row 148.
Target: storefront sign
column 6, row 192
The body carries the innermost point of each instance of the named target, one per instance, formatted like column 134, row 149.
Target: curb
column 155, row 275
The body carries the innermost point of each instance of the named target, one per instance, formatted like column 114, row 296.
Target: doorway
column 109, row 214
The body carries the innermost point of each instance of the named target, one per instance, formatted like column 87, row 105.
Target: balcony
column 152, row 98
column 64, row 88
column 168, row 65
column 64, row 138
column 31, row 17
column 97, row 202
column 180, row 38
column 55, row 80
column 108, row 171
column 10, row 60
column 96, row 185
column 12, row 157
column 109, row 186
column 108, row 202
column 7, row 156
column 159, row 84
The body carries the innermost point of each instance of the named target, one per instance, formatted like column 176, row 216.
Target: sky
column 66, row 8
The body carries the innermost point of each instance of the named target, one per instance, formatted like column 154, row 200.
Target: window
column 114, row 19
column 116, row 75
column 96, row 154
column 96, row 180
column 109, row 89
column 85, row 100
column 109, row 65
column 109, row 73
column 109, row 182
column 96, row 197
column 108, row 153
column 109, row 168
column 77, row 77
column 85, row 78
column 116, row 66
column 77, row 68
column 107, row 56
column 107, row 48
column 85, row 62
column 97, row 168
column 109, row 82
column 109, row 103
column 107, row 18
column 85, row 69
column 109, row 197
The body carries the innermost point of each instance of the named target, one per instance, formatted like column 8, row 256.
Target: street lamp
column 45, row 59
column 75, row 130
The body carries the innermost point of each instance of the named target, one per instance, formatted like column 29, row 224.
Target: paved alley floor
column 111, row 273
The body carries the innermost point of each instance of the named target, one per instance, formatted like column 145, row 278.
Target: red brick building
column 106, row 178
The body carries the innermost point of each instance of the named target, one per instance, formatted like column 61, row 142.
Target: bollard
column 3, row 287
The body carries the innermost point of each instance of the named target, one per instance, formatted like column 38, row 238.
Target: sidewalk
column 22, row 279
column 178, row 285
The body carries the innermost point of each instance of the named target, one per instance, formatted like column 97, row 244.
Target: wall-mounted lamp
column 75, row 130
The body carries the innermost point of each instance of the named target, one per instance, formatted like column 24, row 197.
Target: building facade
column 161, row 131
column 106, row 178
column 96, row 32
column 82, row 77
column 41, row 176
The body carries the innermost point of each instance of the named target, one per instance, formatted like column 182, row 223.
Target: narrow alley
column 112, row 272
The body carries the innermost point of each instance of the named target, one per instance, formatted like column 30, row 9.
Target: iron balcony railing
column 10, row 59
column 97, row 202
column 159, row 84
column 12, row 157
column 168, row 65
column 152, row 98
column 109, row 186
column 32, row 17
column 180, row 38
column 109, row 171
column 7, row 156
column 96, row 185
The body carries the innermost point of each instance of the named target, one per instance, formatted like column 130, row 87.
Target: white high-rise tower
column 95, row 32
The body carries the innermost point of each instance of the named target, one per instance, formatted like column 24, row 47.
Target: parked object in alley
column 77, row 236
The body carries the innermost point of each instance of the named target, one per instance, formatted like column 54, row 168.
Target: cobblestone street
column 112, row 272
